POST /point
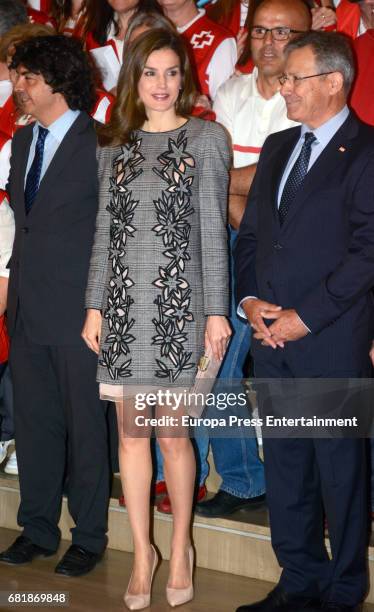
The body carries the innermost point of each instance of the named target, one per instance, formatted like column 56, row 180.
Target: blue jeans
column 236, row 459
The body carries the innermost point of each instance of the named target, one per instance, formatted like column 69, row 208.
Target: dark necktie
column 296, row 176
column 33, row 176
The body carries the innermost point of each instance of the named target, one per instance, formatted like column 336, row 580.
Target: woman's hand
column 203, row 101
column 323, row 17
column 217, row 335
column 91, row 331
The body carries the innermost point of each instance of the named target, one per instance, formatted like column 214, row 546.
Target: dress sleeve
column 213, row 195
column 100, row 250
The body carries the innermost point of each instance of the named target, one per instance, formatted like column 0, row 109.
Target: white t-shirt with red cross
column 214, row 51
column 248, row 117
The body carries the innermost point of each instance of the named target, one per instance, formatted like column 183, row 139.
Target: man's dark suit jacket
column 52, row 247
column 321, row 261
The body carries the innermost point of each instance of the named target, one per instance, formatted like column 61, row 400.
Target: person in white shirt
column 250, row 106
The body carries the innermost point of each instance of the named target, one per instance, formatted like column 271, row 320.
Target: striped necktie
column 33, row 176
column 296, row 176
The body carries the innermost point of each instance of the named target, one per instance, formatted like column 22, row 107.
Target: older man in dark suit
column 60, row 421
column 305, row 272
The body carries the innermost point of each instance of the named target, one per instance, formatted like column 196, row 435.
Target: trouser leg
column 40, row 433
column 88, row 448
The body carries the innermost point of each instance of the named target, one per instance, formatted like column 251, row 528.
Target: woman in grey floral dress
column 158, row 285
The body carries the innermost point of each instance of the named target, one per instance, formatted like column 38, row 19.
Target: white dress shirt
column 57, row 131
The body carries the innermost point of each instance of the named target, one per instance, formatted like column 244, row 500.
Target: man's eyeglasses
column 290, row 78
column 280, row 33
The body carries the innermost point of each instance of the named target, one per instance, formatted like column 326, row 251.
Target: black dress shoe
column 23, row 551
column 280, row 601
column 77, row 561
column 223, row 504
column 336, row 607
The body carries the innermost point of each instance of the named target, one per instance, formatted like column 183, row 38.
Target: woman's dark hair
column 63, row 65
column 128, row 112
column 61, row 11
column 99, row 16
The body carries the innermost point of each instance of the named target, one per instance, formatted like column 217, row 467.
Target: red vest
column 39, row 17
column 348, row 17
column 8, row 118
column 203, row 37
column 362, row 96
column 78, row 30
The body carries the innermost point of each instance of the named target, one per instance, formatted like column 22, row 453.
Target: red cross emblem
column 204, row 39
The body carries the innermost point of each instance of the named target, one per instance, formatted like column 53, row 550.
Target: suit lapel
column 62, row 156
column 21, row 171
column 324, row 166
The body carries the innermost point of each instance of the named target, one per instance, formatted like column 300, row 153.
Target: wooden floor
column 103, row 588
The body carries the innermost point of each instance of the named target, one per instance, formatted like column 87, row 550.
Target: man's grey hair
column 12, row 13
column 332, row 51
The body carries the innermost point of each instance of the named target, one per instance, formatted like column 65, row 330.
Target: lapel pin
column 342, row 149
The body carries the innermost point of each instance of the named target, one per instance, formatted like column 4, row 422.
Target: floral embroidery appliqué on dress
column 122, row 209
column 172, row 210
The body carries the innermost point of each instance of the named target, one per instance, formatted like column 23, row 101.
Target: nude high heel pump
column 142, row 600
column 177, row 597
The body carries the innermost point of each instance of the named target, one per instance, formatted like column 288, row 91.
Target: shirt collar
column 255, row 88
column 59, row 128
column 326, row 131
column 200, row 13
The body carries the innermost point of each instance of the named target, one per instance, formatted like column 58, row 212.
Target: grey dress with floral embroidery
column 159, row 263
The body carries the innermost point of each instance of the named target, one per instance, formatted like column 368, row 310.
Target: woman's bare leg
column 136, row 474
column 180, row 473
